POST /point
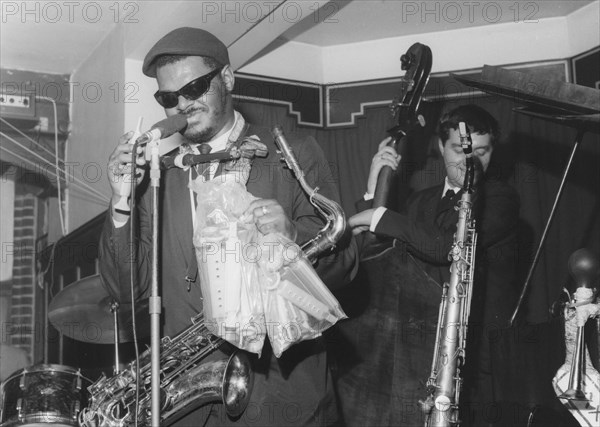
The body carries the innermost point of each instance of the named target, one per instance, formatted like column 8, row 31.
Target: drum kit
column 55, row 394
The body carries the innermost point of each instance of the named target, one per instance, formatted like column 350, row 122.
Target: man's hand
column 385, row 156
column 361, row 221
column 119, row 168
column 269, row 217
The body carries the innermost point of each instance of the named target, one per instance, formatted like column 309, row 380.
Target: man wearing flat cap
column 195, row 79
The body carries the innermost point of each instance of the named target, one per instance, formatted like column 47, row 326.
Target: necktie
column 449, row 194
column 444, row 207
column 202, row 168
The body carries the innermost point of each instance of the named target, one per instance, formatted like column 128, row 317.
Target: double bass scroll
column 417, row 64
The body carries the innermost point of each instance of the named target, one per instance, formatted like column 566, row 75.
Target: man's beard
column 204, row 135
column 216, row 122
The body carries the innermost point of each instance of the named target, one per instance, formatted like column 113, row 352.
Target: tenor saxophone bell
column 226, row 380
column 188, row 381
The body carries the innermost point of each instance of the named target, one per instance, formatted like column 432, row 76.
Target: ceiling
column 56, row 37
column 354, row 21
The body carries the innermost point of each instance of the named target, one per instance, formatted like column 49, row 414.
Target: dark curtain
column 531, row 156
column 348, row 150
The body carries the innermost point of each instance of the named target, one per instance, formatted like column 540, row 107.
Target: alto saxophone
column 444, row 383
column 331, row 211
column 186, row 383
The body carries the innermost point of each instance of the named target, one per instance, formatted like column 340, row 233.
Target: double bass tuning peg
column 394, row 106
column 406, row 61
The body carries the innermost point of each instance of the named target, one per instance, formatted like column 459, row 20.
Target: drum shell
column 43, row 394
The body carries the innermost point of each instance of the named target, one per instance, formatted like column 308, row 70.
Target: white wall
column 451, row 50
column 143, row 103
column 292, row 61
column 584, row 29
column 97, row 114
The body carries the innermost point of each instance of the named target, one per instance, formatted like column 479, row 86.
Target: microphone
column 584, row 268
column 163, row 129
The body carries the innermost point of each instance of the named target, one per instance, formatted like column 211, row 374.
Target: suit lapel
column 177, row 202
column 444, row 205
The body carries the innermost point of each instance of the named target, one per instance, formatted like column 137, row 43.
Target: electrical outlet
column 14, row 101
column 44, row 122
column 17, row 106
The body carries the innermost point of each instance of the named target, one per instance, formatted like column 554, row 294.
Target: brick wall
column 22, row 314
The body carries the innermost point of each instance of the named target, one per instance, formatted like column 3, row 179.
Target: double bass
column 417, row 63
column 383, row 351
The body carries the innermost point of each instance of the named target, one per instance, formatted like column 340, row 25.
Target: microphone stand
column 114, row 308
column 154, row 301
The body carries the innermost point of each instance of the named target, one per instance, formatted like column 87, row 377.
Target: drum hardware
column 86, row 312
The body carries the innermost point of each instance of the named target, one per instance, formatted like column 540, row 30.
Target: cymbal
column 82, row 311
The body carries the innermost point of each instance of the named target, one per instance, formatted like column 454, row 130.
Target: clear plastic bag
column 253, row 284
column 298, row 306
column 229, row 282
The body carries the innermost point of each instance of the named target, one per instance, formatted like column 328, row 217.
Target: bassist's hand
column 385, row 156
column 361, row 221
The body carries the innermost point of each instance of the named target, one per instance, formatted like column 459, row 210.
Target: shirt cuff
column 118, row 224
column 376, row 217
column 368, row 196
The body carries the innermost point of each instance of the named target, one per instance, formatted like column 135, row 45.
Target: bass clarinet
column 445, row 382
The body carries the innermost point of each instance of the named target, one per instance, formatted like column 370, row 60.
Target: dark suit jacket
column 427, row 227
column 300, row 375
column 390, row 341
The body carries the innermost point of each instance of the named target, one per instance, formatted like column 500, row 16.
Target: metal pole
column 114, row 308
column 578, row 139
column 155, row 300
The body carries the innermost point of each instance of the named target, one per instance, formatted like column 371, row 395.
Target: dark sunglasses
column 192, row 91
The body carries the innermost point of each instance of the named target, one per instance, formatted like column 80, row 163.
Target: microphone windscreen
column 170, row 125
column 584, row 267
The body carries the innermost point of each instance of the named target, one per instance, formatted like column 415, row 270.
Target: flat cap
column 186, row 41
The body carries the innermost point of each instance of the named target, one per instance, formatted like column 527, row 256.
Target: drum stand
column 114, row 309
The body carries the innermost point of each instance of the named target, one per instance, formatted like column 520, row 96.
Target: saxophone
column 444, row 383
column 186, row 383
column 332, row 212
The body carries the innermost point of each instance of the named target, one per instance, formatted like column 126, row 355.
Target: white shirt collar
column 220, row 142
column 448, row 186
